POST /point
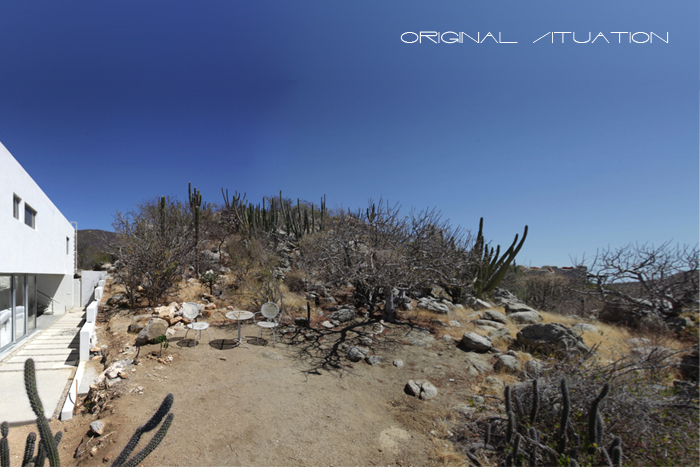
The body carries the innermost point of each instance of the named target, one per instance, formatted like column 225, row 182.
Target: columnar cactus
column 48, row 443
column 490, row 265
column 535, row 402
column 195, row 199
column 595, row 420
column 523, row 442
column 4, row 446
column 565, row 411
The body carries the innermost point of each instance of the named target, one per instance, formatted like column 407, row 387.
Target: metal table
column 240, row 316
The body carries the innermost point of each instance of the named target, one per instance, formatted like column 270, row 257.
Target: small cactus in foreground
column 524, row 443
column 48, row 442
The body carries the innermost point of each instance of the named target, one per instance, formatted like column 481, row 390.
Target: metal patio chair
column 271, row 314
column 191, row 312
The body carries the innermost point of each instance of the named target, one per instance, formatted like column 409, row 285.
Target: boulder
column 154, row 328
column 135, row 328
column 343, row 315
column 432, row 305
column 518, row 308
column 301, row 321
column 355, row 354
column 508, row 363
column 398, row 363
column 97, row 427
column 487, row 322
column 475, row 303
column 525, row 317
column 412, row 388
column 439, row 293
column 502, row 333
column 493, row 315
column 503, row 296
column 428, row 390
column 374, row 360
column 117, row 299
column 584, row 327
column 551, row 337
column 328, row 300
column 635, row 317
column 477, row 364
column 420, row 388
column 474, row 341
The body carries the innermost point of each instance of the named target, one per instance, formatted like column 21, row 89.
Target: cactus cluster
column 251, row 219
column 298, row 224
column 48, row 442
column 523, row 442
column 490, row 266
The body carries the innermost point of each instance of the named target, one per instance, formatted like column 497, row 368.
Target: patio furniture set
column 269, row 319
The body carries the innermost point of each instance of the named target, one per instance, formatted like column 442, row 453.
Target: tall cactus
column 4, row 446
column 323, row 212
column 48, row 443
column 595, row 420
column 490, row 265
column 47, row 440
column 565, row 412
column 517, row 433
column 195, row 199
column 162, row 215
column 535, row 402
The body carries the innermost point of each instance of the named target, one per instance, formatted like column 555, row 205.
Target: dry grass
column 294, row 303
column 189, row 292
column 447, row 453
column 612, row 340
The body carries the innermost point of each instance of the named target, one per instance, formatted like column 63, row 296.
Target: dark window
column 29, row 216
column 16, row 201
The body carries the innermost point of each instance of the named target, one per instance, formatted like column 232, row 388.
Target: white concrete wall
column 90, row 280
column 60, row 287
column 24, row 250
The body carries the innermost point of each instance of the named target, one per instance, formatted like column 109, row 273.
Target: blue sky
column 107, row 104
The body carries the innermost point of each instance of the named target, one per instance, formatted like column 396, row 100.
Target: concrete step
column 44, row 358
column 50, row 346
column 39, row 352
column 9, row 367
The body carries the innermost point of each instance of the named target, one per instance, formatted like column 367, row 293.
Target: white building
column 37, row 254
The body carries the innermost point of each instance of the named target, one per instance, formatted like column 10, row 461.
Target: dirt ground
column 299, row 403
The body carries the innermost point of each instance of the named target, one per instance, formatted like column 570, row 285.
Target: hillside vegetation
column 414, row 270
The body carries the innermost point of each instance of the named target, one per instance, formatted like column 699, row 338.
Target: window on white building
column 67, row 245
column 16, row 201
column 29, row 216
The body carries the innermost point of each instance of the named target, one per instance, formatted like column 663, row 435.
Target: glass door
column 20, row 318
column 32, row 303
column 5, row 311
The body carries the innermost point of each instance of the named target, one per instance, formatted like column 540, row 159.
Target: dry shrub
column 295, row 282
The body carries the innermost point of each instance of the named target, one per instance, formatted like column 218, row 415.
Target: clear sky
column 110, row 103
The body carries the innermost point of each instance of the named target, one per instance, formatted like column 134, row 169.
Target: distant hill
column 93, row 245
